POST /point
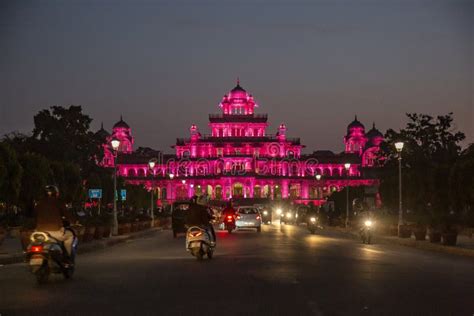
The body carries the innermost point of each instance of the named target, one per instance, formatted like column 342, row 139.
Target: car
column 266, row 213
column 300, row 215
column 248, row 217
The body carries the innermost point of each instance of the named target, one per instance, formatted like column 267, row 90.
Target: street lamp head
column 191, row 185
column 171, row 176
column 115, row 143
column 399, row 146
column 152, row 163
column 347, row 166
column 183, row 181
column 318, row 177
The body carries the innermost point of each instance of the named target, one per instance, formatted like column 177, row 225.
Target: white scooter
column 198, row 242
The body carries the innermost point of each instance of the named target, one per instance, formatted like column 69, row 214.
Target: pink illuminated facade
column 240, row 159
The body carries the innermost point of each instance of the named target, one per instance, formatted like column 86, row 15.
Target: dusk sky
column 164, row 65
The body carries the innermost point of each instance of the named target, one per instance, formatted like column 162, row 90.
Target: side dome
column 374, row 132
column 102, row 133
column 355, row 126
column 121, row 124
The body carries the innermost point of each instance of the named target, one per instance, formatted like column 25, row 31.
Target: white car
column 248, row 217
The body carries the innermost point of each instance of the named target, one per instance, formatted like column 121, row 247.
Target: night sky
column 164, row 65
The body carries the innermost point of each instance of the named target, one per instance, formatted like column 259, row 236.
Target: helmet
column 51, row 190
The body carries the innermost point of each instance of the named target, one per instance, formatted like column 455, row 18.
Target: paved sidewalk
column 464, row 246
column 11, row 250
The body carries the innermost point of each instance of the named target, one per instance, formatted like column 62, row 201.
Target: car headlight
column 279, row 211
column 312, row 219
column 296, row 215
column 368, row 223
column 265, row 213
column 288, row 215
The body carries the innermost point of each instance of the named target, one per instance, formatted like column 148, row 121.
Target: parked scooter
column 366, row 232
column 229, row 223
column 198, row 242
column 46, row 255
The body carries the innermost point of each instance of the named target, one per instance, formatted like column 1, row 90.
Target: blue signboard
column 95, row 193
column 123, row 194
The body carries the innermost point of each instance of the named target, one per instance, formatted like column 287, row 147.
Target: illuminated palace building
column 239, row 159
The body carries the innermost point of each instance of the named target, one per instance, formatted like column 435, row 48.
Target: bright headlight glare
column 265, row 213
column 279, row 211
column 288, row 215
column 313, row 219
column 368, row 223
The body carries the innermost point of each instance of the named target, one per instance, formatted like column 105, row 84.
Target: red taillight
column 258, row 217
column 37, row 249
column 229, row 217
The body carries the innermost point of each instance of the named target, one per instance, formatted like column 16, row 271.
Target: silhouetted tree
column 10, row 175
column 431, row 148
column 36, row 171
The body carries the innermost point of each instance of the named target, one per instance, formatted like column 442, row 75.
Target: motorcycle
column 198, row 242
column 229, row 223
column 313, row 224
column 46, row 255
column 366, row 232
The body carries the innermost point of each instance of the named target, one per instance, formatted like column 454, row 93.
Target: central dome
column 238, row 92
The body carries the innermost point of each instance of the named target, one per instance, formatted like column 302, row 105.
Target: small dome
column 355, row 124
column 102, row 133
column 373, row 133
column 121, row 124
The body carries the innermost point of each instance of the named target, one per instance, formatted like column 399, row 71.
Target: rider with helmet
column 53, row 218
column 198, row 215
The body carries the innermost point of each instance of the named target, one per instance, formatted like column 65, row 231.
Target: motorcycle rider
column 198, row 215
column 229, row 210
column 51, row 216
column 312, row 212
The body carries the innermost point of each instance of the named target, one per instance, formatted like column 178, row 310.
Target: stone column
column 284, row 189
column 304, row 190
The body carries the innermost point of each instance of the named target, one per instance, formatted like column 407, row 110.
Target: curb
column 88, row 247
column 409, row 242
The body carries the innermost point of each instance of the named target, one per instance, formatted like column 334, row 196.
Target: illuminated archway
column 218, row 192
column 238, row 190
column 257, row 191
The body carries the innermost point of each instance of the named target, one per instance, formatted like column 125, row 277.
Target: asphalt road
column 281, row 271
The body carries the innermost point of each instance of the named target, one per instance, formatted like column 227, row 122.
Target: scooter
column 313, row 224
column 229, row 223
column 46, row 255
column 198, row 243
column 366, row 232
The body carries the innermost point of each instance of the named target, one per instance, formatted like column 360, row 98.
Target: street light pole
column 347, row 166
column 399, row 148
column 151, row 165
column 115, row 145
